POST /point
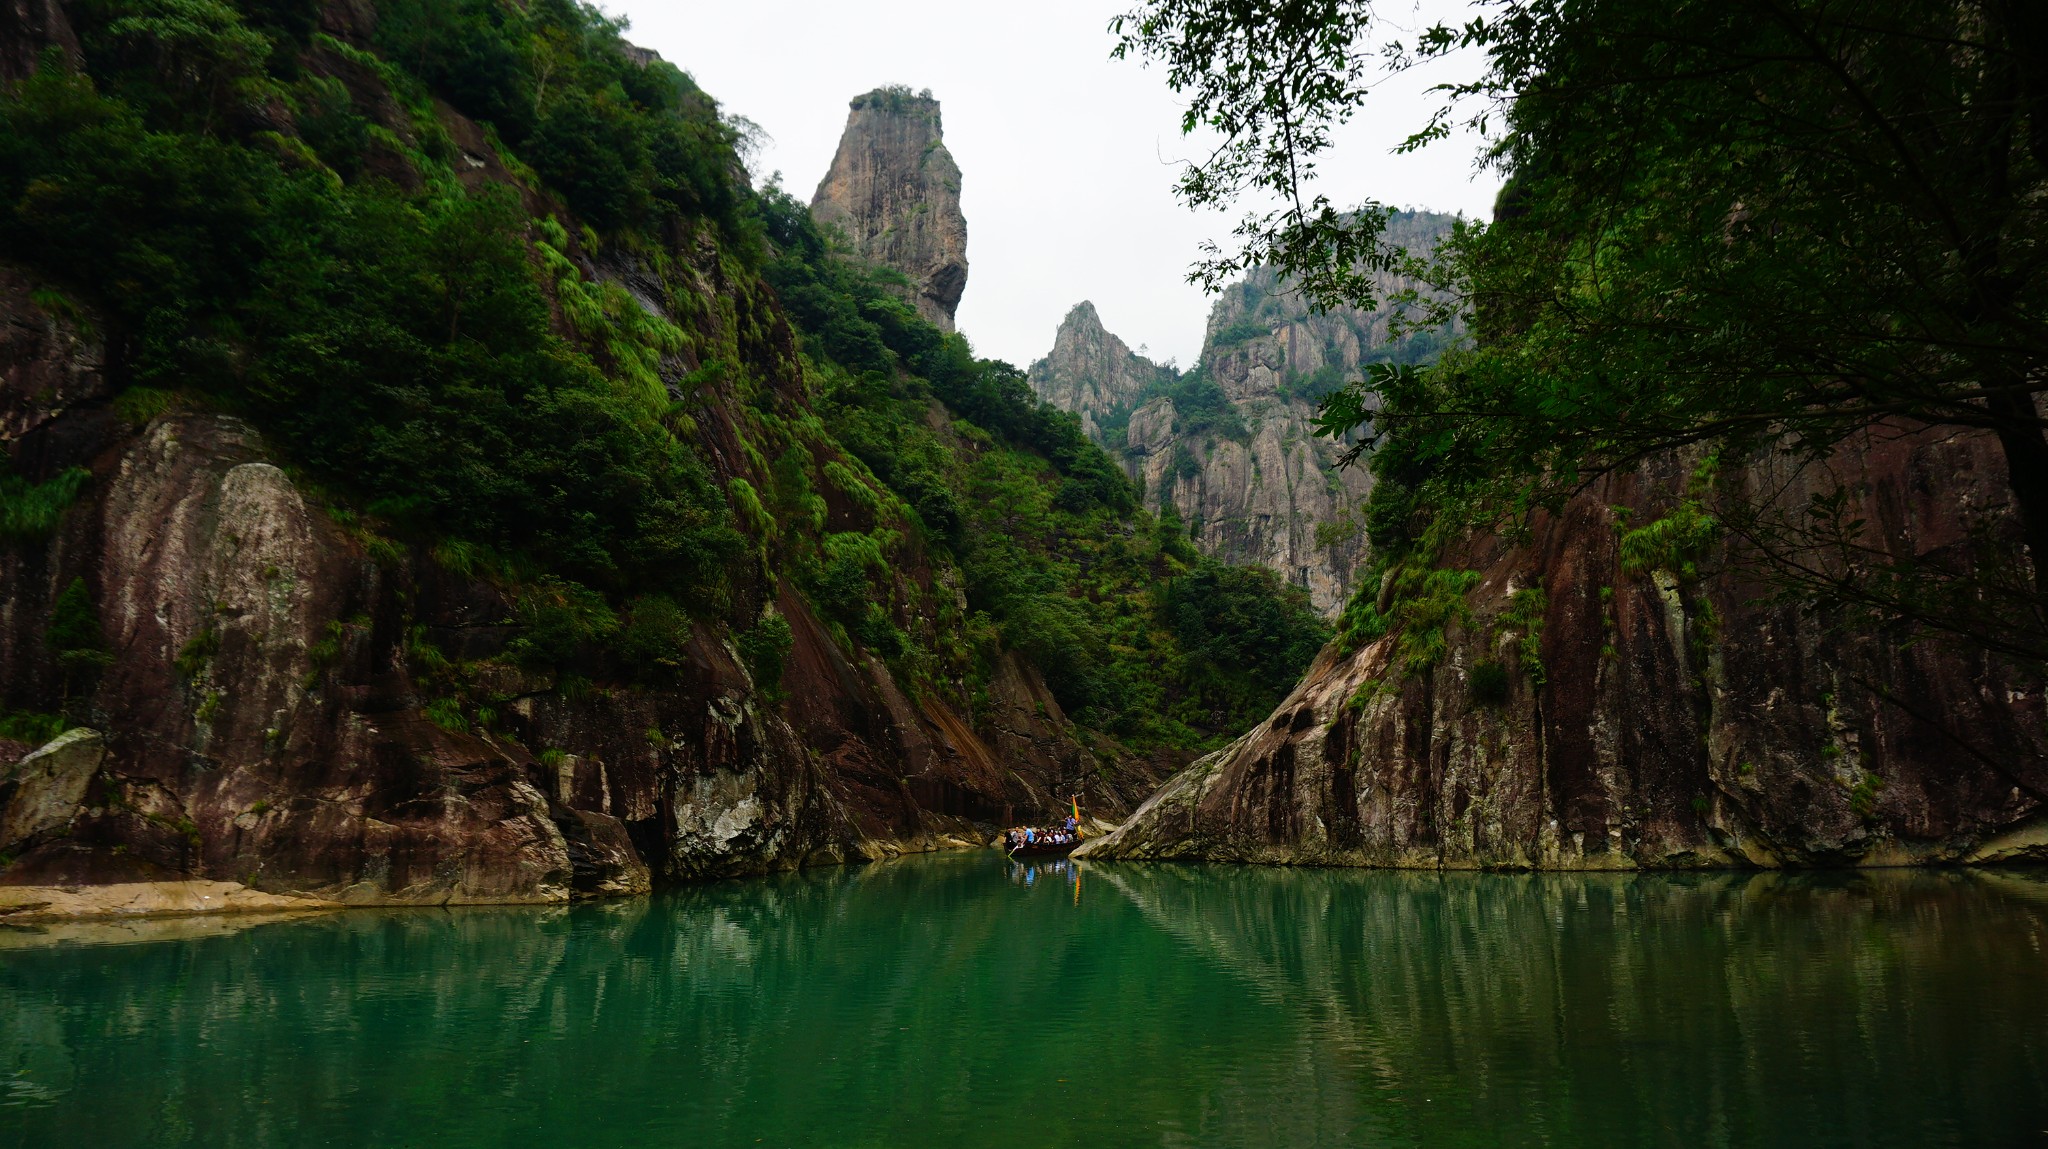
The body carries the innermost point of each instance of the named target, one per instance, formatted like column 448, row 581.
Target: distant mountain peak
column 1090, row 371
column 1228, row 444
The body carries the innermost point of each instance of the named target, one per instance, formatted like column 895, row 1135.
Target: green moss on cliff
column 507, row 344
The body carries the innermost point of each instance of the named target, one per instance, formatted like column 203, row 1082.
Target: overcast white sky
column 1068, row 158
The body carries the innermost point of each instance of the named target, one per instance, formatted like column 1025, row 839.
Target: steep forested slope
column 433, row 474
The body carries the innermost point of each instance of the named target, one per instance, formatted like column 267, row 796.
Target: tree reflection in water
column 943, row 999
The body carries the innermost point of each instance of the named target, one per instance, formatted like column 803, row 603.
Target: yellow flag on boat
column 1076, row 800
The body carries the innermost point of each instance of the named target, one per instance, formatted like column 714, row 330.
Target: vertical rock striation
column 1235, row 454
column 894, row 191
column 1582, row 715
column 1091, row 372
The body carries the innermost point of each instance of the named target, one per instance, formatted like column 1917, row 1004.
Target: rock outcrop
column 20, row 905
column 42, row 793
column 1581, row 717
column 1254, row 485
column 894, row 191
column 27, row 29
column 1271, row 495
column 271, row 699
column 1093, row 373
column 266, row 713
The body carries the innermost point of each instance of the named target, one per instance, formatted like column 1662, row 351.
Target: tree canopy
column 1739, row 226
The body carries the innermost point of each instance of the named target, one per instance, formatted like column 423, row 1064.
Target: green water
column 945, row 1001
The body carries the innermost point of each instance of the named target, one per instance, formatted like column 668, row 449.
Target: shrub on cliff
column 395, row 344
column 1781, row 230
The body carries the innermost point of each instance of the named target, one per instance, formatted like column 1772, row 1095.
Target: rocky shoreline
column 33, row 904
column 1580, row 715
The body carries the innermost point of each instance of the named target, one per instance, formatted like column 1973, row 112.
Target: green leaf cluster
column 1135, row 634
column 390, row 337
column 32, row 510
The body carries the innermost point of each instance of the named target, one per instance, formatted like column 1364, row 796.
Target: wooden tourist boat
column 1045, row 845
column 1045, row 842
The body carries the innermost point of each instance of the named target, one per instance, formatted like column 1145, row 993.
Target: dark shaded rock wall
column 1678, row 722
column 28, row 28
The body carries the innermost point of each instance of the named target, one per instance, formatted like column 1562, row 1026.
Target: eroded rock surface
column 275, row 703
column 1255, row 486
column 1092, row 372
column 894, row 191
column 1664, row 721
column 22, row 904
column 42, row 793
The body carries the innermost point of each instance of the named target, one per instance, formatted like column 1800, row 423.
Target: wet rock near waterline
column 1645, row 720
column 21, row 905
column 602, row 861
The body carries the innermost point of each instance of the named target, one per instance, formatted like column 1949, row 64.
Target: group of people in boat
column 1021, row 837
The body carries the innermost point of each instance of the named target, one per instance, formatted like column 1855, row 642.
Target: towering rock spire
column 895, row 191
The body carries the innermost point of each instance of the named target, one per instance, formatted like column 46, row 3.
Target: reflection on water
column 951, row 999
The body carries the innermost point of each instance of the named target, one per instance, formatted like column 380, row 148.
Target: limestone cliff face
column 1091, row 372
column 894, row 191
column 1260, row 496
column 1664, row 721
column 1257, row 486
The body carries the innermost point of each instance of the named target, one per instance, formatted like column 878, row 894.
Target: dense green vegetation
column 1199, row 407
column 1750, row 229
column 288, row 226
column 395, row 343
column 1135, row 633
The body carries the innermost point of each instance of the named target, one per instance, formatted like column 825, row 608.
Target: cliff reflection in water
column 941, row 1000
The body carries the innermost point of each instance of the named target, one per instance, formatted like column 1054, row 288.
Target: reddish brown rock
column 1677, row 722
column 266, row 722
column 28, row 28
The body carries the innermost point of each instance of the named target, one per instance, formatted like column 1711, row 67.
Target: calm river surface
column 948, row 1001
